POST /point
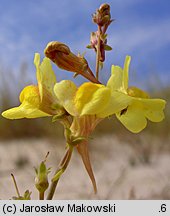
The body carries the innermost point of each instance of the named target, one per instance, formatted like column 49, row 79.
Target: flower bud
column 103, row 44
column 102, row 15
column 41, row 180
column 105, row 9
column 61, row 55
column 94, row 40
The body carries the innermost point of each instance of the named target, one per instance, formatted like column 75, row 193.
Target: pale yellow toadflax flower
column 37, row 100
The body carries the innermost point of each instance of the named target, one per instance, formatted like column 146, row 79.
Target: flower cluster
column 131, row 105
column 87, row 104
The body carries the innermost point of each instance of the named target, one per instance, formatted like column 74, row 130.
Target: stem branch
column 41, row 196
column 62, row 167
column 98, row 53
column 15, row 183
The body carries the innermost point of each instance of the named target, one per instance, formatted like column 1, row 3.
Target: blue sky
column 141, row 29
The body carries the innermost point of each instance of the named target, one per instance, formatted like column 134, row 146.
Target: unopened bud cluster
column 102, row 15
column 98, row 39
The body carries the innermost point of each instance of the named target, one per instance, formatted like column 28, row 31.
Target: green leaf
column 57, row 175
column 103, row 37
column 107, row 47
column 89, row 46
column 78, row 140
column 57, row 117
column 67, row 134
column 27, row 196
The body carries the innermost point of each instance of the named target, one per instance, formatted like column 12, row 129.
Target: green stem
column 62, row 167
column 41, row 195
column 15, row 183
column 65, row 121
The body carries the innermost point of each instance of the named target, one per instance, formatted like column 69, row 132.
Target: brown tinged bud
column 98, row 40
column 94, row 40
column 61, row 55
column 105, row 9
column 102, row 15
column 94, row 37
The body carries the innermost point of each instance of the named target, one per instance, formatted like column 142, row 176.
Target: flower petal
column 25, row 110
column 45, row 75
column 31, row 95
column 30, row 104
column 119, row 77
column 118, row 101
column 137, row 93
column 126, row 72
column 133, row 117
column 154, row 109
column 65, row 92
column 115, row 81
column 91, row 98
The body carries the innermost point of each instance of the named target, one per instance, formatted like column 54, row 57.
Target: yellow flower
column 89, row 99
column 141, row 107
column 37, row 100
column 88, row 104
column 132, row 106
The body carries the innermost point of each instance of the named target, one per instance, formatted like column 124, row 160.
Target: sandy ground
column 122, row 171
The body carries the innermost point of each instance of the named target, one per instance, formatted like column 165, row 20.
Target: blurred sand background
column 123, row 169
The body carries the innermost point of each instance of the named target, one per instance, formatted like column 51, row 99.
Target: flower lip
column 31, row 94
